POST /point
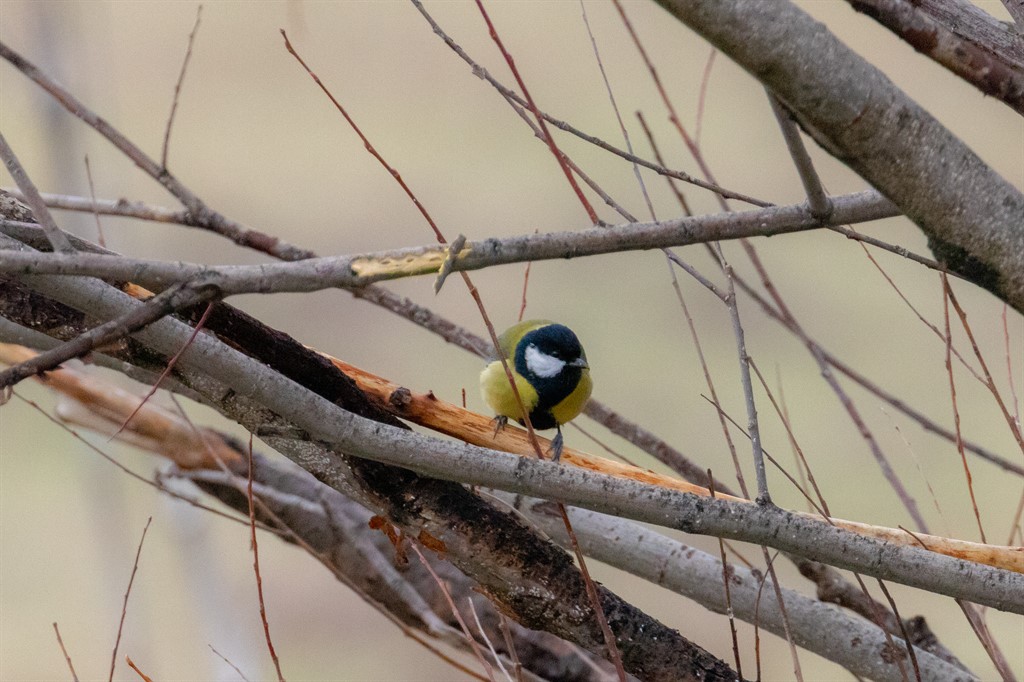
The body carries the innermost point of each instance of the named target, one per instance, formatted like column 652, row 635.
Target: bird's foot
column 556, row 446
column 499, row 423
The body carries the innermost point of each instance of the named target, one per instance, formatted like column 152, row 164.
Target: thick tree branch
column 527, row 577
column 974, row 218
column 970, row 57
column 337, row 530
column 357, row 436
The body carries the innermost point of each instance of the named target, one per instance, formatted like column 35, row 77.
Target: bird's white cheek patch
column 543, row 365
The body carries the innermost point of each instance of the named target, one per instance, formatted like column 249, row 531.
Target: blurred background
column 260, row 143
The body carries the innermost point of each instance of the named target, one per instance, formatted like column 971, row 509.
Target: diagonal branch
column 974, row 218
column 969, row 56
column 360, row 437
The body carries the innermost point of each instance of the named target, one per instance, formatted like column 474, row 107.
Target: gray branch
column 358, row 436
column 314, row 274
column 974, row 218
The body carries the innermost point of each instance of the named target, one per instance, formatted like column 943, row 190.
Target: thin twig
column 956, row 411
column 1009, row 367
column 900, row 251
column 988, row 642
column 124, row 606
column 455, row 612
column 989, row 381
column 552, row 145
column 615, row 108
column 138, row 671
column 726, row 579
column 67, row 657
column 817, row 198
column 903, row 629
column 705, row 79
column 510, row 645
column 482, row 73
column 177, row 87
column 770, row 562
column 256, row 569
column 159, row 306
column 100, row 238
column 58, row 240
column 167, row 369
column 226, row 660
column 899, row 292
column 204, row 216
column 485, row 638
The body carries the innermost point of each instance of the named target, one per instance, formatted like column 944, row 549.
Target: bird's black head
column 555, row 341
column 552, row 360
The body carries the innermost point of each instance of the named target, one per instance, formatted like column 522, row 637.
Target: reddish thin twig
column 989, row 381
column 526, row 284
column 177, row 87
column 67, row 657
column 913, row 309
column 802, row 463
column 903, row 630
column 1009, row 367
column 256, row 569
column 976, row 618
column 131, row 664
column 226, row 660
column 124, row 606
column 100, row 238
column 510, row 645
column 487, row 640
column 591, row 588
column 167, row 370
column 726, row 579
column 455, row 612
column 536, row 112
column 956, row 411
column 701, row 97
column 691, row 145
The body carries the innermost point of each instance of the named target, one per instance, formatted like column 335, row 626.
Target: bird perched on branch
column 551, row 373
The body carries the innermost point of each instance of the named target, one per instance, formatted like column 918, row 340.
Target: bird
column 551, row 372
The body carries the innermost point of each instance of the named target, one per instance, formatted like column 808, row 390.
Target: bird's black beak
column 580, row 362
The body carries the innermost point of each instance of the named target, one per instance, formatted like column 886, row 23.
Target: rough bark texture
column 973, row 217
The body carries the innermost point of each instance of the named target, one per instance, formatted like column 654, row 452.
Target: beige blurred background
column 260, row 143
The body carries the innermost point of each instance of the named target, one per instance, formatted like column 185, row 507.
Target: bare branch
column 58, row 240
column 315, row 274
column 973, row 61
column 323, row 420
column 203, row 214
column 974, row 218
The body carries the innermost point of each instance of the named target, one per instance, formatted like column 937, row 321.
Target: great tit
column 551, row 372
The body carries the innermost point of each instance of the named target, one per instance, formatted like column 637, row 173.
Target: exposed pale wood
column 164, row 433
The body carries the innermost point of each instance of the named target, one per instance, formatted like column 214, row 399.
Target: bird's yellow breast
column 497, row 392
column 573, row 404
